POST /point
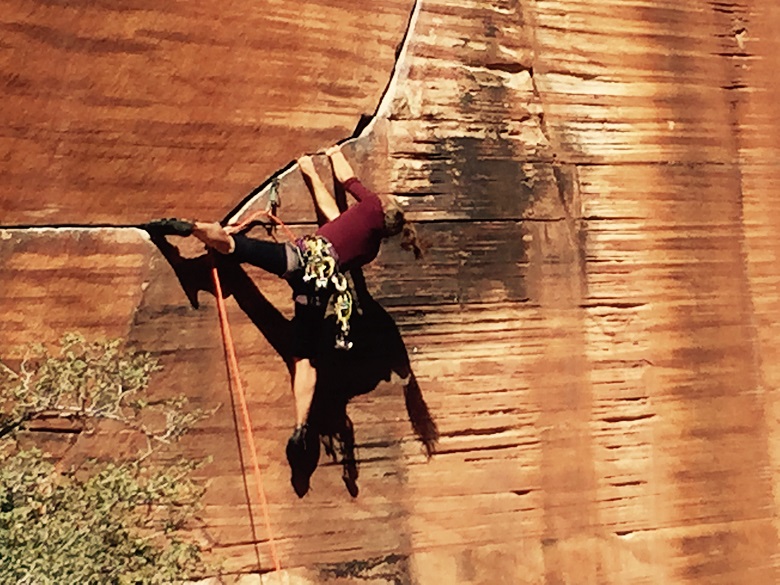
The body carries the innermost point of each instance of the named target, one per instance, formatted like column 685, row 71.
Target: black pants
column 310, row 304
column 270, row 256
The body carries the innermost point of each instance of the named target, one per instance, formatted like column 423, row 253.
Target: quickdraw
column 321, row 267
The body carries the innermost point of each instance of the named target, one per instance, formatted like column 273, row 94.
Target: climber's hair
column 395, row 223
column 394, row 218
column 410, row 240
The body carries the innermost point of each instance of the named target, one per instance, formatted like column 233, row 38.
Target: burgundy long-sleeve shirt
column 357, row 233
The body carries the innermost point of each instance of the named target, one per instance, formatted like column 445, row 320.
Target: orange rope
column 233, row 228
column 235, row 380
column 235, row 376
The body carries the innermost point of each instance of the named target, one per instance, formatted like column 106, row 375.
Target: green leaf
column 107, row 522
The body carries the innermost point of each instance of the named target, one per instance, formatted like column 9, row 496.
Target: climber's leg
column 214, row 236
column 303, row 383
column 303, row 447
column 273, row 257
column 307, row 324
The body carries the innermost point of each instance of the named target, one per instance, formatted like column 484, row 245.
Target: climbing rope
column 237, row 227
column 320, row 266
column 237, row 387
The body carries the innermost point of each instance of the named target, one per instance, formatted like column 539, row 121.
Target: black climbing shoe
column 297, row 440
column 169, row 226
column 303, row 454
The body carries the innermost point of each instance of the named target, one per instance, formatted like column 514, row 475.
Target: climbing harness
column 321, row 267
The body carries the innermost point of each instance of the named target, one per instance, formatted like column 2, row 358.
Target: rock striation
column 593, row 329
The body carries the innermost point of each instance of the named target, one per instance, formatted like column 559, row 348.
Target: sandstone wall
column 593, row 327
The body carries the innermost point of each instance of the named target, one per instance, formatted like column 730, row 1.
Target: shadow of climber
column 377, row 353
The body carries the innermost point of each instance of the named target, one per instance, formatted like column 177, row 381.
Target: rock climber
column 314, row 267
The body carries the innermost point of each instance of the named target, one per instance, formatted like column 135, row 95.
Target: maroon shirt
column 356, row 233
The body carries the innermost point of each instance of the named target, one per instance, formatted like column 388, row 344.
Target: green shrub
column 104, row 521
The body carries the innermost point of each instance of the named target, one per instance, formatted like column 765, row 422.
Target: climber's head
column 394, row 216
column 396, row 223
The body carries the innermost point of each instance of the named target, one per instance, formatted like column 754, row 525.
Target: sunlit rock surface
column 117, row 111
column 594, row 326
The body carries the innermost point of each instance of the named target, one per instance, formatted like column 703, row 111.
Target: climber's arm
column 342, row 169
column 345, row 174
column 323, row 199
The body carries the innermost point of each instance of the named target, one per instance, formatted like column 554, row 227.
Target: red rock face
column 593, row 327
column 120, row 111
